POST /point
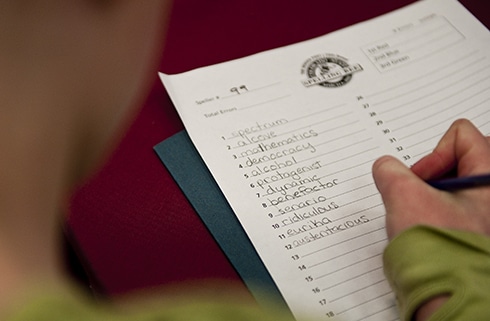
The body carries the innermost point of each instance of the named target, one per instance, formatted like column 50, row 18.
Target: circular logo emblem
column 328, row 71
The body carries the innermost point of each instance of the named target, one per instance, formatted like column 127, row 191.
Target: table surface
column 131, row 223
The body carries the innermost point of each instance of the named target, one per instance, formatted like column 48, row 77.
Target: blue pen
column 454, row 184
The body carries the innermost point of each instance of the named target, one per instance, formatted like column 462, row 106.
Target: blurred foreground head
column 75, row 69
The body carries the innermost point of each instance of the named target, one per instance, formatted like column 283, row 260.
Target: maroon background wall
column 132, row 225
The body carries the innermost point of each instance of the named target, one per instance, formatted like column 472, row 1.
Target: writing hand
column 409, row 201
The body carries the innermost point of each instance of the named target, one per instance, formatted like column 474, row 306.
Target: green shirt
column 420, row 263
column 70, row 305
column 423, row 262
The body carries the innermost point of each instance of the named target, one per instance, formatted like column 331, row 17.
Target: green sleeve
column 423, row 262
column 70, row 304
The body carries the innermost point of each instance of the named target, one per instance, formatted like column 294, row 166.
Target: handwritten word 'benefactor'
column 302, row 191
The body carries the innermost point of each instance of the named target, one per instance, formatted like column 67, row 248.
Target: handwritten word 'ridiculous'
column 298, row 217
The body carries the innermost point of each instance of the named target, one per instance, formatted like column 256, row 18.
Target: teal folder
column 187, row 168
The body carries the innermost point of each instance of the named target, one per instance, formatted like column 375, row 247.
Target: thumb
column 398, row 186
column 389, row 174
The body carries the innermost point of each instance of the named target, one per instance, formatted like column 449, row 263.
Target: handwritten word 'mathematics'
column 264, row 147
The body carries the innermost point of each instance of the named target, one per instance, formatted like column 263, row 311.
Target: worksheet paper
column 290, row 136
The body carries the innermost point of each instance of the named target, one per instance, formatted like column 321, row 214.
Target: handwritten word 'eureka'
column 326, row 224
column 326, row 230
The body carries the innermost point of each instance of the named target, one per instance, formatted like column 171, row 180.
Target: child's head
column 92, row 59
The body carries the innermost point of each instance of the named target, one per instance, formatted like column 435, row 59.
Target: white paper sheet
column 290, row 136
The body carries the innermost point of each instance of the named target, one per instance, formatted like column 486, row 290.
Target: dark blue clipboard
column 187, row 168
